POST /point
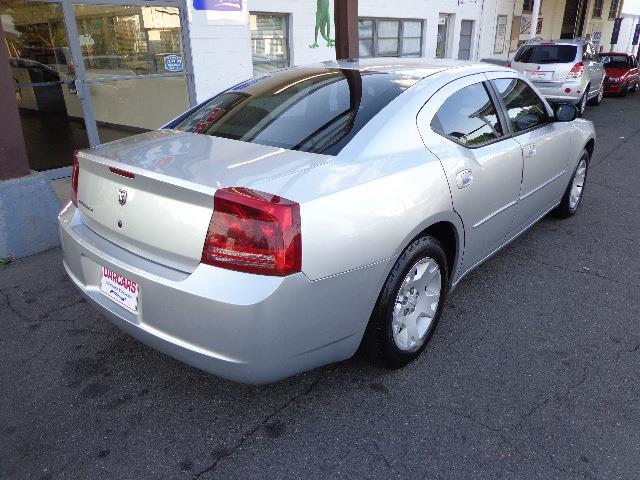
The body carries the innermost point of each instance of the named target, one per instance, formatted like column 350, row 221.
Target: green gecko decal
column 323, row 24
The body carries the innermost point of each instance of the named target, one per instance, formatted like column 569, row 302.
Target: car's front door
column 546, row 148
column 461, row 125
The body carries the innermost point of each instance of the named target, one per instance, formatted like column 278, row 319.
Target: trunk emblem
column 122, row 196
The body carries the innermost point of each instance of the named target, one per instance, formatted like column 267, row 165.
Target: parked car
column 621, row 73
column 296, row 217
column 564, row 70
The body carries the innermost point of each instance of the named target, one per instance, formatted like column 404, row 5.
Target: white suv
column 565, row 71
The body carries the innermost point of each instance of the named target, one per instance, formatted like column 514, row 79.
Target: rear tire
column 388, row 339
column 595, row 101
column 575, row 190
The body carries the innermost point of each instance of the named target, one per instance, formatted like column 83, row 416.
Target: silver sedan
column 299, row 216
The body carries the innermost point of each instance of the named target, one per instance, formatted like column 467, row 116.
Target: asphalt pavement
column 534, row 371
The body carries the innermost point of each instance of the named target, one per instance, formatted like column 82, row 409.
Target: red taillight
column 508, row 64
column 254, row 232
column 576, row 70
column 74, row 179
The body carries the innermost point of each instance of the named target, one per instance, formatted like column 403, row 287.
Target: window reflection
column 123, row 40
column 309, row 109
column 524, row 107
column 468, row 117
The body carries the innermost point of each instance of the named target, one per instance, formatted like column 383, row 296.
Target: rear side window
column 316, row 110
column 525, row 109
column 468, row 117
column 546, row 54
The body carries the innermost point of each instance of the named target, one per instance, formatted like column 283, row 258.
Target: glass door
column 441, row 43
column 44, row 76
column 134, row 66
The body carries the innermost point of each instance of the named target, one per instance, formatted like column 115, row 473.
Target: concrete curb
column 28, row 216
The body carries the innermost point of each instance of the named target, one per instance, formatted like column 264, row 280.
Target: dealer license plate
column 119, row 289
column 540, row 76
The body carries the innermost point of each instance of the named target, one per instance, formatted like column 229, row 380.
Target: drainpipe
column 534, row 18
column 345, row 14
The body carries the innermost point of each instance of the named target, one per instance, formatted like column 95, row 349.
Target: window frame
column 598, row 7
column 401, row 22
column 613, row 10
column 494, row 99
column 505, row 112
column 287, row 43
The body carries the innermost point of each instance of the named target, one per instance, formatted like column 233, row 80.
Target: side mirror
column 565, row 112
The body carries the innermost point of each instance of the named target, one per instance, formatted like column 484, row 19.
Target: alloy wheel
column 577, row 184
column 416, row 304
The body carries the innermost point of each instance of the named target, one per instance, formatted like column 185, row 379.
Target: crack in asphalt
column 249, row 433
column 26, row 318
column 627, row 350
column 585, row 272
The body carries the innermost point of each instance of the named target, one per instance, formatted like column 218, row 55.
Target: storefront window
column 43, row 75
column 124, row 40
column 269, row 42
column 124, row 73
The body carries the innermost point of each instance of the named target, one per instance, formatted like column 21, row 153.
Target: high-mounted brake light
column 74, row 179
column 254, row 232
column 576, row 70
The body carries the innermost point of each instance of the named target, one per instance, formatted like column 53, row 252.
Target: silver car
column 296, row 217
column 565, row 71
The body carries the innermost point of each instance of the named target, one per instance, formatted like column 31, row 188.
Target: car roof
column 416, row 67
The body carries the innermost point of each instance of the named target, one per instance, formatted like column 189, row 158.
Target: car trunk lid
column 152, row 194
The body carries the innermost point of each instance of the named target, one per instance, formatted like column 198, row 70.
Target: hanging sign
column 636, row 35
column 218, row 5
column 616, row 30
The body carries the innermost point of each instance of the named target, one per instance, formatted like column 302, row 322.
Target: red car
column 621, row 73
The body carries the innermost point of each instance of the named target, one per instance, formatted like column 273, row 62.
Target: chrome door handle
column 464, row 178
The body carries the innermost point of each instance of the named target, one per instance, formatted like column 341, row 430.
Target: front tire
column 575, row 190
column 582, row 103
column 409, row 305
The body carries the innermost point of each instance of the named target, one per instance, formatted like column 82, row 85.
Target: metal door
column 466, row 33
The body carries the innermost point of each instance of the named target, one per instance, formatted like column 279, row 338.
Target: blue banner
column 219, row 5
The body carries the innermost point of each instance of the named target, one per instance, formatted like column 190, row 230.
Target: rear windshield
column 316, row 110
column 617, row 61
column 546, row 54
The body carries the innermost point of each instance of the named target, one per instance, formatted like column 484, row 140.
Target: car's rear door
column 463, row 127
column 546, row 147
column 593, row 64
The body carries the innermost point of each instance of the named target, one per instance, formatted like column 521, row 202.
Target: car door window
column 468, row 117
column 525, row 109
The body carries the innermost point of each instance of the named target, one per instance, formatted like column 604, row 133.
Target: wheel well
column 447, row 235
column 590, row 146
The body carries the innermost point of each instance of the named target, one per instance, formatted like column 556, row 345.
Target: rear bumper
column 557, row 93
column 243, row 327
